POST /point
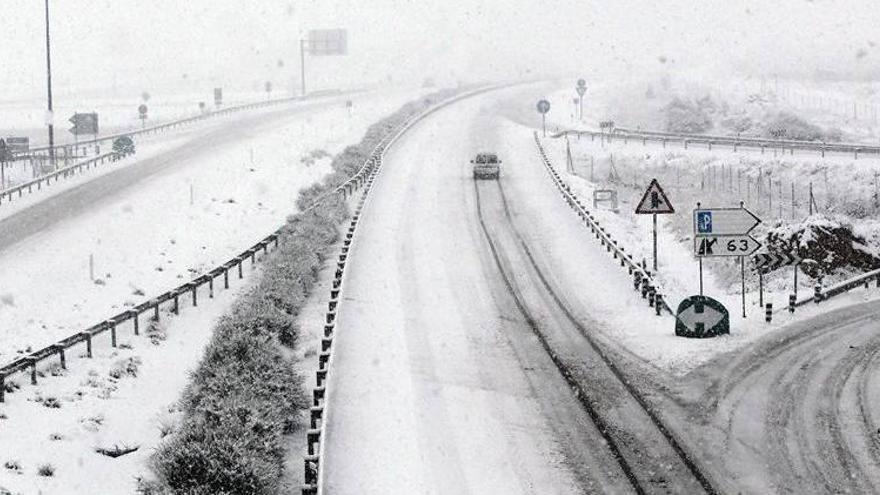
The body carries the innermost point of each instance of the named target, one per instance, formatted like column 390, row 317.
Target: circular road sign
column 582, row 83
column 543, row 106
column 142, row 109
column 581, row 90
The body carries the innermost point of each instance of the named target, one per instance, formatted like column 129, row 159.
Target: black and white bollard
column 768, row 313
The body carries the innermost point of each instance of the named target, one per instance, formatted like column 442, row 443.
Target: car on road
column 486, row 166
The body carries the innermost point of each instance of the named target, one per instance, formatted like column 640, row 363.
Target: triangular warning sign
column 654, row 200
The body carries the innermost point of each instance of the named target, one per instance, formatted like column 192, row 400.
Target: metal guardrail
column 819, row 294
column 78, row 167
column 176, row 123
column 58, row 174
column 735, row 141
column 643, row 280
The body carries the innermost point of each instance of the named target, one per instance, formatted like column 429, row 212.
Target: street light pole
column 49, row 91
column 302, row 64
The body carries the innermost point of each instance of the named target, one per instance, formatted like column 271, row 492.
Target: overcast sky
column 161, row 45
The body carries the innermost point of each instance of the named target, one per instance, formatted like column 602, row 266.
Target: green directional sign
column 701, row 317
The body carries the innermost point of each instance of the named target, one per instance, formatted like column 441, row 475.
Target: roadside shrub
column 687, row 117
column 46, row 470
column 246, row 393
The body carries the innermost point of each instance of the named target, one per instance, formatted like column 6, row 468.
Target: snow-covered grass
column 198, row 216
column 125, row 397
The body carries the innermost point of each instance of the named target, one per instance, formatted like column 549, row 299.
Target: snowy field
column 198, row 214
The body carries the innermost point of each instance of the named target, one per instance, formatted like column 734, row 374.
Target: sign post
column 581, row 88
column 218, row 97
column 725, row 232
column 142, row 114
column 543, row 108
column 321, row 42
column 654, row 202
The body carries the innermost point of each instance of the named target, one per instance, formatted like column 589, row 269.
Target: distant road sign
column 581, row 90
column 767, row 262
column 328, row 42
column 582, row 83
column 84, row 123
column 654, row 201
column 18, row 144
column 606, row 124
column 701, row 317
column 543, row 106
column 725, row 245
column 142, row 110
column 724, row 221
column 218, row 97
column 605, row 196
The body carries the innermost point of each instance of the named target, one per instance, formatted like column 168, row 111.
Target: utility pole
column 302, row 63
column 49, row 91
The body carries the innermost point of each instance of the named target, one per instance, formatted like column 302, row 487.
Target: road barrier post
column 817, row 293
column 768, row 312
column 791, row 302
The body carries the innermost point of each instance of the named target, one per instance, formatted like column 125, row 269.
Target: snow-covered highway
column 440, row 383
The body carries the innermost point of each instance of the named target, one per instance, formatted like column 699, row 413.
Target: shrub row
column 245, row 394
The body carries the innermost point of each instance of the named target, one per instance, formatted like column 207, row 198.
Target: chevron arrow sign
column 767, row 262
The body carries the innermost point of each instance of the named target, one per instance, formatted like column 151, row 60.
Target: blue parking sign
column 704, row 222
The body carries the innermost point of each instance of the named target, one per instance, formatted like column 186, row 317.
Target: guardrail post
column 89, row 345
column 112, row 333
column 60, row 350
column 2, row 388
column 240, row 274
column 791, row 302
column 768, row 313
column 211, row 287
column 156, row 311
column 225, row 278
column 176, row 308
column 685, row 144
column 194, row 293
column 817, row 294
column 33, row 371
column 762, row 148
column 135, row 320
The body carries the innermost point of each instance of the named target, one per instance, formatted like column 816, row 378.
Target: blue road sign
column 704, row 222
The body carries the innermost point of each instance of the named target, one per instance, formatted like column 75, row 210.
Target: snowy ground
column 182, row 236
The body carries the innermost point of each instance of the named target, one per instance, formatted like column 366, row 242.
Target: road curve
column 799, row 412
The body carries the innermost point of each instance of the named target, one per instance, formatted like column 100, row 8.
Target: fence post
column 658, row 303
column 768, row 312
column 112, row 333
column 211, row 287
column 135, row 320
column 194, row 291
column 791, row 302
